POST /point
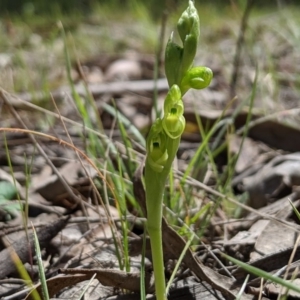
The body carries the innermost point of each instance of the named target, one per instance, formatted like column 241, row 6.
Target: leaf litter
column 75, row 229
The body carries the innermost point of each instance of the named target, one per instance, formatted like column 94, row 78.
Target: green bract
column 196, row 78
column 173, row 121
column 173, row 57
column 188, row 55
column 156, row 147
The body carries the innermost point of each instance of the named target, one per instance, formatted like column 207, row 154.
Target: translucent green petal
column 157, row 154
column 174, row 126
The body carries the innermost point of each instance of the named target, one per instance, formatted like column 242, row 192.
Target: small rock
column 122, row 70
column 5, row 60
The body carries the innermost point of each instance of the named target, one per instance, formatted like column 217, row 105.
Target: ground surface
column 68, row 157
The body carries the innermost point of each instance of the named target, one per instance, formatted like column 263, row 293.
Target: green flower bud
column 173, row 121
column 189, row 23
column 188, row 27
column 157, row 154
column 196, row 78
column 173, row 57
column 178, row 60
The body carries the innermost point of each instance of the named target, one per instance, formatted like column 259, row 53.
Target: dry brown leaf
column 57, row 283
column 274, row 180
column 247, row 155
column 275, row 236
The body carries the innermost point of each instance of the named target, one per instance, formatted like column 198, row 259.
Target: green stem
column 158, row 263
column 155, row 186
column 155, row 183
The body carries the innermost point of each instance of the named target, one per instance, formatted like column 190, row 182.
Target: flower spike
column 165, row 134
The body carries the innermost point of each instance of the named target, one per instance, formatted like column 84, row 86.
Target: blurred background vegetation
column 31, row 43
column 56, row 7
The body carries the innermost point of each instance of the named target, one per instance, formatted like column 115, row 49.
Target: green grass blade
column 263, row 274
column 240, row 294
column 120, row 185
column 187, row 245
column 86, row 287
column 245, row 131
column 24, row 274
column 41, row 266
column 204, row 210
column 128, row 124
column 127, row 144
column 143, row 273
column 201, row 148
column 295, row 209
column 81, row 104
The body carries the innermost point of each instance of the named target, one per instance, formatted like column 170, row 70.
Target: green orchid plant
column 165, row 134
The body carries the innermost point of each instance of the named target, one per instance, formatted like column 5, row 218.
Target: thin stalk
column 154, row 195
column 155, row 186
column 158, row 262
